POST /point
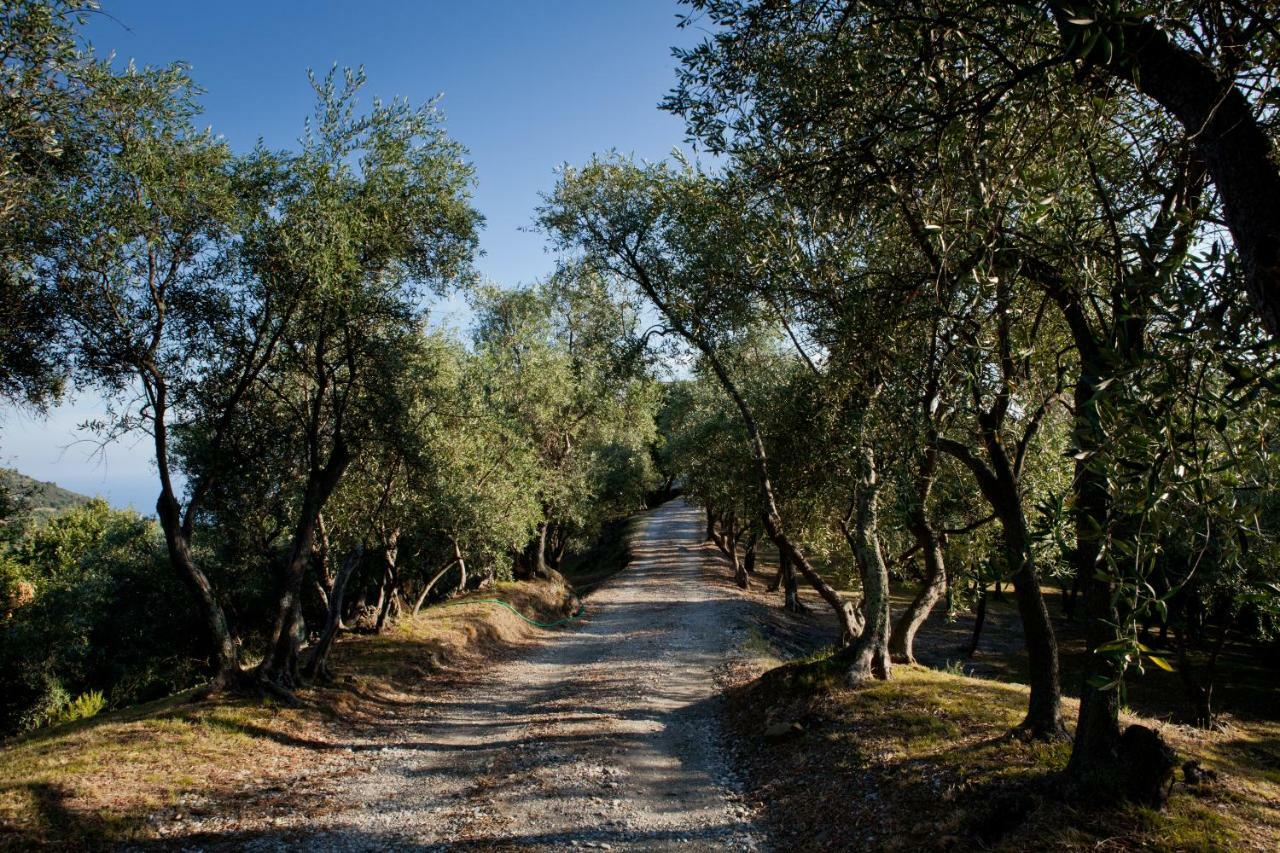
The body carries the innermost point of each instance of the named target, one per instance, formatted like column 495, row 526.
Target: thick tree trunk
column 317, row 665
column 868, row 655
column 1096, row 750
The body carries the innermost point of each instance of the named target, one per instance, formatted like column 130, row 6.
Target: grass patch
column 100, row 781
column 923, row 762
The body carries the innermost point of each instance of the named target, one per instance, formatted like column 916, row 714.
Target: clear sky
column 526, row 85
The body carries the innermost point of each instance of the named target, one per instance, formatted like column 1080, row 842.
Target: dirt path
column 604, row 737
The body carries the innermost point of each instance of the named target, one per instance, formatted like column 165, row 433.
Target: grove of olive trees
column 950, row 301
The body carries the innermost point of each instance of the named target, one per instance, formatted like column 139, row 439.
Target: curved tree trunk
column 868, row 656
column 318, row 664
column 770, row 515
column 1000, row 487
column 426, row 590
column 223, row 653
column 902, row 640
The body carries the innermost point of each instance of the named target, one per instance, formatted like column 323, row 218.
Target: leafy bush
column 93, row 617
column 83, row 707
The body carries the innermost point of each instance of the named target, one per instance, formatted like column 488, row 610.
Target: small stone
column 778, row 731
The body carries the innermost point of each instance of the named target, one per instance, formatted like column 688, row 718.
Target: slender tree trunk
column 999, row 486
column 223, row 653
column 979, row 619
column 390, row 552
column 868, row 656
column 224, row 657
column 731, row 543
column 317, row 666
column 770, row 515
column 790, row 592
column 784, row 566
column 279, row 665
column 749, row 562
column 902, row 639
column 462, row 567
column 1044, row 709
column 538, row 553
column 426, row 590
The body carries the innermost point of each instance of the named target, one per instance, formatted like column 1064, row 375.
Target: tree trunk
column 999, row 485
column 318, row 664
column 1096, row 750
column 770, row 515
column 391, row 579
column 902, row 640
column 790, row 592
column 1044, row 709
column 462, row 567
column 538, row 568
column 784, row 566
column 224, row 656
column 731, row 542
column 279, row 665
column 426, row 590
column 979, row 619
column 868, row 655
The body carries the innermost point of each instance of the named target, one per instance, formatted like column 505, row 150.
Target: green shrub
column 83, row 707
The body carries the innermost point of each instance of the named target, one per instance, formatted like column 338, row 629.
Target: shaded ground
column 922, row 762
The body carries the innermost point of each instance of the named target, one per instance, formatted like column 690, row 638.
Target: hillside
column 38, row 496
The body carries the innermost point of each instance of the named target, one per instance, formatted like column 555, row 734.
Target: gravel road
column 605, row 736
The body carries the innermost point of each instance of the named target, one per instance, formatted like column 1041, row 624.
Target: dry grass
column 99, row 781
column 923, row 762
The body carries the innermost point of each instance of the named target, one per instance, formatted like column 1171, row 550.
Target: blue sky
column 526, row 86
